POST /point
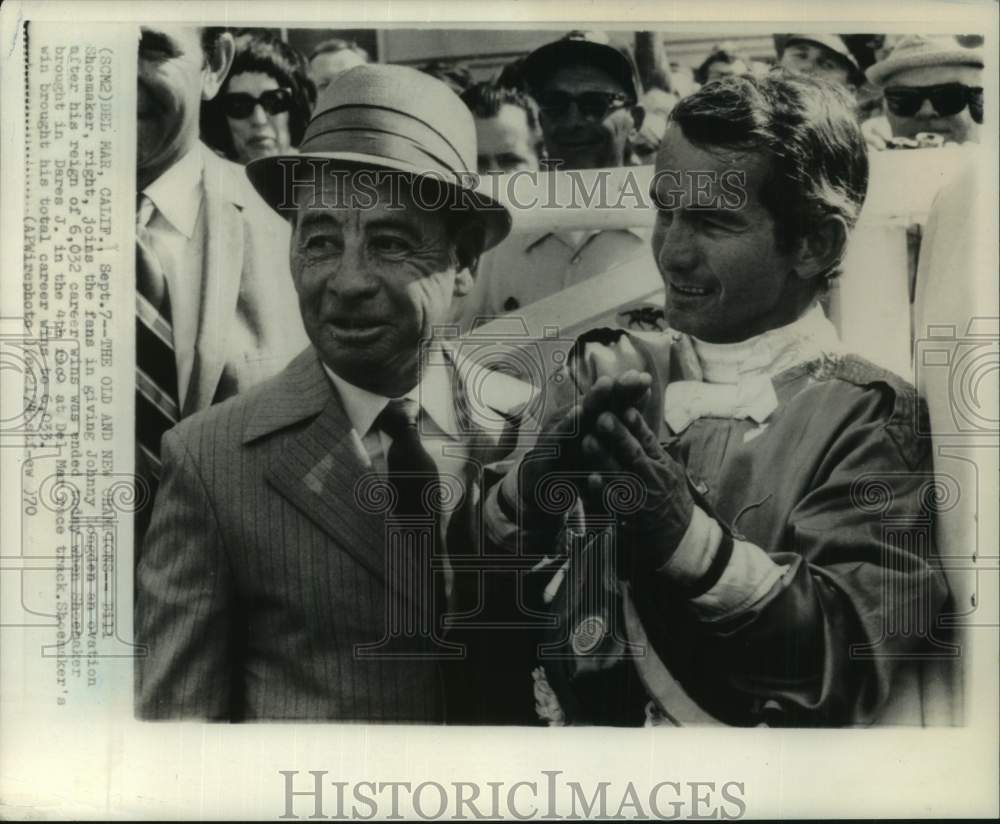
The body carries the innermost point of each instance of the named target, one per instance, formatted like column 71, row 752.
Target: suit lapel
column 221, row 277
column 319, row 467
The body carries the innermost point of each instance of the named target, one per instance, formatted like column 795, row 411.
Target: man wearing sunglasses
column 932, row 86
column 588, row 93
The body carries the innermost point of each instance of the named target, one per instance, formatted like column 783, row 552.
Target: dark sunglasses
column 240, row 105
column 591, row 105
column 947, row 99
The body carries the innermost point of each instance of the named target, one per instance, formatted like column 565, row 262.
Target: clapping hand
column 619, row 440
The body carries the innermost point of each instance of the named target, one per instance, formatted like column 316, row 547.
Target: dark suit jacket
column 261, row 572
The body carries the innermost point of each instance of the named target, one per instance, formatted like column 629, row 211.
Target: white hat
column 916, row 50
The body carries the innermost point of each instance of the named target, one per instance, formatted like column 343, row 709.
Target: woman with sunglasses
column 265, row 103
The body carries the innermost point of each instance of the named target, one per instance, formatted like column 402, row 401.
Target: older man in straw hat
column 298, row 561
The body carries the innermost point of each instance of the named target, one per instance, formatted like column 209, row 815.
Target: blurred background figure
column 588, row 93
column 659, row 98
column 932, row 86
column 265, row 102
column 455, row 75
column 332, row 58
column 508, row 135
column 725, row 60
column 682, row 79
column 819, row 55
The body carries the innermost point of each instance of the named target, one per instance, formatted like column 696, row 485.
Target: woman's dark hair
column 809, row 133
column 259, row 50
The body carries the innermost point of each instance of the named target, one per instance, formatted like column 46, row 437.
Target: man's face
column 958, row 127
column 174, row 77
column 325, row 67
column 725, row 278
column 373, row 282
column 803, row 57
column 504, row 143
column 591, row 139
column 722, row 68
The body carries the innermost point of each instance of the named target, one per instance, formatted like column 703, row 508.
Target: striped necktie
column 156, row 397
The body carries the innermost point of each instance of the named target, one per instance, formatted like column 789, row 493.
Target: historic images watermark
column 547, row 796
column 321, row 183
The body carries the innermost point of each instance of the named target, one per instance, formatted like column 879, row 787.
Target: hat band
column 329, row 131
column 398, row 152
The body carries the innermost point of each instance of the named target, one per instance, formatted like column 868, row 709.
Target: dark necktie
column 414, row 476
column 412, row 471
column 156, row 396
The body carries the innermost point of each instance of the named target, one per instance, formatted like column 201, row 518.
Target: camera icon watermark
column 965, row 366
column 505, row 378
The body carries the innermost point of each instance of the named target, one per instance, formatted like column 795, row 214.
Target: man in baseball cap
column 932, row 85
column 819, row 55
column 588, row 92
column 298, row 522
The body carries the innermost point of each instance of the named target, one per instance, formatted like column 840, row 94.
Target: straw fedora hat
column 393, row 118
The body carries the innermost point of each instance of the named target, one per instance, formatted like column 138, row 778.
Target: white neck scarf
column 737, row 376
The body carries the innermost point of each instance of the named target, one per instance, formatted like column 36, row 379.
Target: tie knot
column 144, row 209
column 399, row 417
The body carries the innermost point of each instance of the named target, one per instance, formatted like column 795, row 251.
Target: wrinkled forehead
column 935, row 75
column 580, row 77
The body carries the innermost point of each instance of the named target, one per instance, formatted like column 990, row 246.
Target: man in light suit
column 216, row 304
column 283, row 577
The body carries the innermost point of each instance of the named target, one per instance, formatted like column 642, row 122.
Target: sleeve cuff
column 694, row 554
column 721, row 576
column 748, row 577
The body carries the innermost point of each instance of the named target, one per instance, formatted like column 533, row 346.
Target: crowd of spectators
column 587, row 103
column 583, row 102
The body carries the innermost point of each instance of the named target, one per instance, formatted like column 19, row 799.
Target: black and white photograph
column 587, row 416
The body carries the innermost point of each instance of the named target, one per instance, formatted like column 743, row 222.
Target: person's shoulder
column 228, row 179
column 890, row 400
column 225, row 425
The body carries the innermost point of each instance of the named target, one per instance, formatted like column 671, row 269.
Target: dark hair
column 805, row 127
column 456, row 75
column 337, row 44
column 510, row 76
column 209, row 37
column 258, row 50
column 484, row 99
column 723, row 55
